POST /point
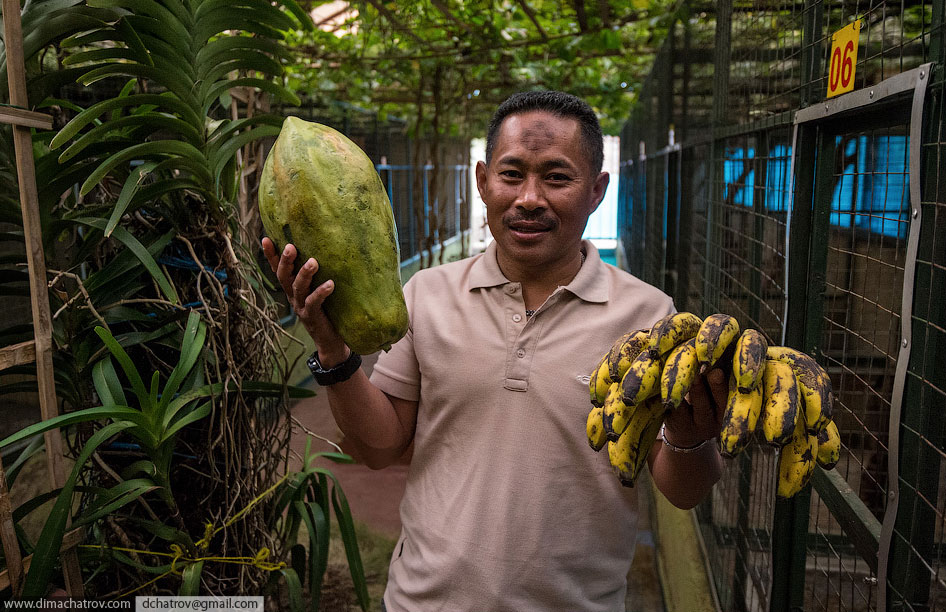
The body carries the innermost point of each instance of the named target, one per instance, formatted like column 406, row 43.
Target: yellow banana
column 717, row 333
column 749, row 360
column 642, row 379
column 740, row 418
column 624, row 351
column 594, row 427
column 616, row 414
column 600, row 383
column 678, row 373
column 829, row 446
column 796, row 461
column 814, row 382
column 672, row 330
column 629, row 453
column 780, row 402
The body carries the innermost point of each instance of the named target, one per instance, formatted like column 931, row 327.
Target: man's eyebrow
column 559, row 162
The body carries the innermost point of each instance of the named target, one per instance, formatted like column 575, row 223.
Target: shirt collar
column 590, row 284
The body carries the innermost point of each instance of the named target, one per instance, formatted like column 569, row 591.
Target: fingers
column 706, row 402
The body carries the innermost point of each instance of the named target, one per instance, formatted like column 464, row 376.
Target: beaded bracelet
column 680, row 449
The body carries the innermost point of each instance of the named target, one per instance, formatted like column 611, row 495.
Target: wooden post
column 32, row 231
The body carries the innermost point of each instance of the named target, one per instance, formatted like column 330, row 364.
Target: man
column 506, row 508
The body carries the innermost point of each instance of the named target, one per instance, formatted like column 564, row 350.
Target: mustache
column 531, row 217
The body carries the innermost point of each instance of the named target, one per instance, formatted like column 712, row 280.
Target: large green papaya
column 320, row 192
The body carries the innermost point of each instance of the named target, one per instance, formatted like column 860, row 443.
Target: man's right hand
column 307, row 304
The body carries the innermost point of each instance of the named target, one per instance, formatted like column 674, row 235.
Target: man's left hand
column 700, row 416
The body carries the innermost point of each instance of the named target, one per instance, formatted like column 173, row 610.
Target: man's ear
column 599, row 189
column 480, row 177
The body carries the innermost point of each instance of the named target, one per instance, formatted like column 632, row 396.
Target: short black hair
column 557, row 103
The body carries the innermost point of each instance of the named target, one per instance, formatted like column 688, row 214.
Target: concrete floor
column 374, row 497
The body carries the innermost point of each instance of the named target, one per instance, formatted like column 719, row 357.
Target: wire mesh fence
column 820, row 222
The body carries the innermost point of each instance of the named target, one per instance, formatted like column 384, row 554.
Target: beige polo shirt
column 507, row 508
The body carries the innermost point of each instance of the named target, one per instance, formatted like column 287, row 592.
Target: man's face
column 539, row 188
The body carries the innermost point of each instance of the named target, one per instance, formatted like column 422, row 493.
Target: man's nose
column 531, row 195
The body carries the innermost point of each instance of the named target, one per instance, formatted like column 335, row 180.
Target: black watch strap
column 337, row 374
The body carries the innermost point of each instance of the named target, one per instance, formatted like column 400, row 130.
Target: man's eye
column 558, row 177
column 510, row 173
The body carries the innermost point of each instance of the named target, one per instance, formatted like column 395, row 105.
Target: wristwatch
column 336, row 374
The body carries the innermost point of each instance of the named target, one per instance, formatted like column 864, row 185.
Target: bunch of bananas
column 648, row 372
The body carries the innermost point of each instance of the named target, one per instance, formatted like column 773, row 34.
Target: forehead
column 538, row 131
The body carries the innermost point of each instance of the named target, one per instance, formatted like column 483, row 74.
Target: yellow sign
column 843, row 59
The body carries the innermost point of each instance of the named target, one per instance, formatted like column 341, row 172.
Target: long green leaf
column 226, row 152
column 151, row 30
column 150, row 122
column 165, row 532
column 70, row 418
column 211, row 53
column 258, row 9
column 142, row 466
column 95, row 111
column 50, row 540
column 127, row 366
column 124, row 263
column 118, row 496
column 190, row 579
column 347, row 527
column 126, row 238
column 195, row 415
column 268, row 86
column 316, row 533
column 181, row 87
column 160, row 149
column 249, row 61
column 130, row 37
column 152, row 9
column 222, row 133
column 132, row 183
column 236, row 18
column 301, row 15
column 294, row 589
column 34, row 446
column 98, row 55
column 192, row 344
column 107, row 385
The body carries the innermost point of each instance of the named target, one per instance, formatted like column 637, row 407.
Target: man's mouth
column 529, row 227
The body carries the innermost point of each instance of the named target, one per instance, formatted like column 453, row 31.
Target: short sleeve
column 397, row 372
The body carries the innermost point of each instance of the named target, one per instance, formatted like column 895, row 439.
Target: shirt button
column 520, row 353
column 510, row 289
column 517, row 317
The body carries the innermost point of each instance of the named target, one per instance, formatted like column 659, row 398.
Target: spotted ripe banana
column 642, row 379
column 629, row 453
column 829, row 446
column 749, row 360
column 714, row 338
column 594, row 427
column 814, row 382
column 616, row 414
column 780, row 402
column 678, row 373
column 796, row 461
column 625, row 351
column 600, row 383
column 740, row 418
column 673, row 330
